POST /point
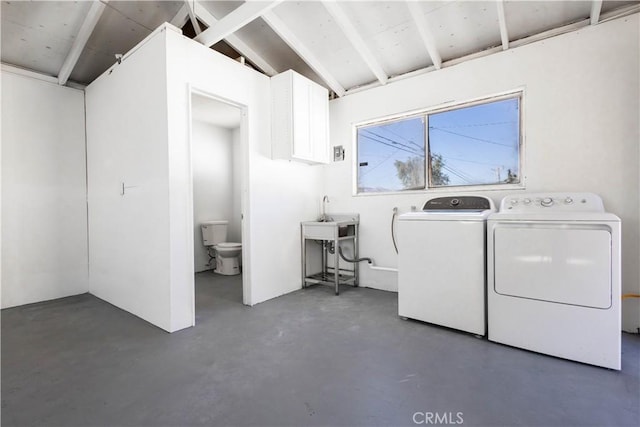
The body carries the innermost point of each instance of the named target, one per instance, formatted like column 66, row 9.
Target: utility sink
column 330, row 226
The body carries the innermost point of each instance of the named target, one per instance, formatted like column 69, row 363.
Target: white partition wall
column 44, row 210
column 127, row 146
column 581, row 110
column 138, row 130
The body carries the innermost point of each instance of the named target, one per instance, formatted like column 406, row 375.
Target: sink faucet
column 325, row 200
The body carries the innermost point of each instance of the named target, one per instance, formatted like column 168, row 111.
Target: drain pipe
column 375, row 267
column 395, row 246
column 370, row 262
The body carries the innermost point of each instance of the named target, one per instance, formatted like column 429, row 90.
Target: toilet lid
column 229, row 245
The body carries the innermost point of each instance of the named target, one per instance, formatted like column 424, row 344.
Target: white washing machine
column 442, row 263
column 554, row 277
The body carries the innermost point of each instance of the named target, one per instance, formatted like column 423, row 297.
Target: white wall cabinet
column 300, row 119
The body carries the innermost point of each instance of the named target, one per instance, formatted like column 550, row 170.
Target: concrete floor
column 307, row 358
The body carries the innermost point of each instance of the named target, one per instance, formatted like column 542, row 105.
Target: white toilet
column 228, row 254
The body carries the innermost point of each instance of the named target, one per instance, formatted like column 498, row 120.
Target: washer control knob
column 526, row 201
column 514, row 201
column 546, row 202
column 455, row 202
column 568, row 201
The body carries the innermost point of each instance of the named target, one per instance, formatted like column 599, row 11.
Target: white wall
column 213, row 197
column 276, row 195
column 44, row 210
column 127, row 143
column 581, row 133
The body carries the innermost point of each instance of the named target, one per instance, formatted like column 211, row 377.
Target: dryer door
column 560, row 263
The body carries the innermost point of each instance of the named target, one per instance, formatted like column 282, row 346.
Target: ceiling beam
column 502, row 21
column 303, row 52
column 575, row 26
column 596, row 7
column 181, row 17
column 237, row 19
column 235, row 42
column 193, row 18
column 425, row 33
column 90, row 21
column 341, row 18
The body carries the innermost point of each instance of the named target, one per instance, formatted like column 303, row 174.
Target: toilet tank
column 214, row 232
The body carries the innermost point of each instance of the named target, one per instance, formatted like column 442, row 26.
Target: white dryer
column 553, row 264
column 442, row 263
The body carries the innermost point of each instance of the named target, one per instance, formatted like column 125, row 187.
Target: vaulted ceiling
column 344, row 45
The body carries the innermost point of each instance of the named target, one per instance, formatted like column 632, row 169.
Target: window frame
column 425, row 112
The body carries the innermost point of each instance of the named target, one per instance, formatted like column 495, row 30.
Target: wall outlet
column 338, row 153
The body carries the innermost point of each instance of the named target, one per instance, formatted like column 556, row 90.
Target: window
column 466, row 145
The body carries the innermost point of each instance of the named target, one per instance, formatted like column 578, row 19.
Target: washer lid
column 453, row 208
column 458, row 203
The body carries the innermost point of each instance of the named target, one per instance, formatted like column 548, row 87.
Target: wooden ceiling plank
column 237, row 19
column 349, row 30
column 236, row 42
column 425, row 33
column 89, row 24
column 298, row 47
column 502, row 21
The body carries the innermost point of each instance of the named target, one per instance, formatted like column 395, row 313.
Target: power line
column 470, row 161
column 471, row 137
column 461, row 174
column 478, row 124
column 393, row 146
column 421, row 147
column 456, row 173
column 393, row 141
column 379, row 164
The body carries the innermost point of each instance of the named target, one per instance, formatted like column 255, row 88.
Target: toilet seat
column 229, row 258
column 228, row 245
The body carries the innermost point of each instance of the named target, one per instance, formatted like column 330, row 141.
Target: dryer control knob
column 526, row 201
column 514, row 201
column 568, row 201
column 546, row 202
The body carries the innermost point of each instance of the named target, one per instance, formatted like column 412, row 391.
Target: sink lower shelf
column 328, row 278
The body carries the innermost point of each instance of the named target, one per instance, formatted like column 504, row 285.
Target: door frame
column 244, row 190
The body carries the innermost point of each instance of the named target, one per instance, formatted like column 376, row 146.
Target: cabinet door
column 302, row 119
column 319, row 125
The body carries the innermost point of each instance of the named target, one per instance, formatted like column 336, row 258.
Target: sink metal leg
column 324, row 259
column 304, row 258
column 356, row 266
column 336, row 271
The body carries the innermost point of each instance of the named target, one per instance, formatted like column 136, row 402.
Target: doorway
column 218, row 184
